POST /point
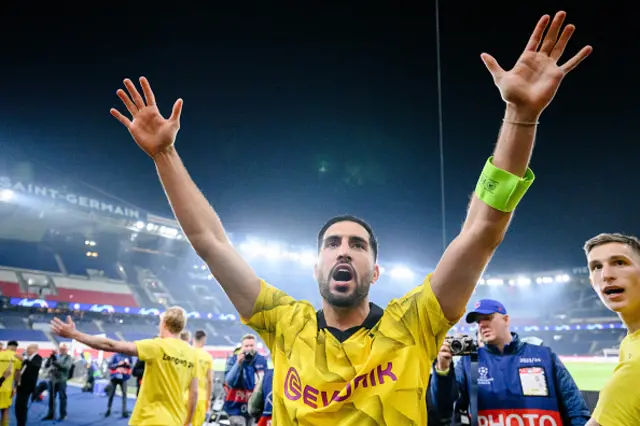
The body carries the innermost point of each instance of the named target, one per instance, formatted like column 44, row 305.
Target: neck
column 167, row 335
column 345, row 318
column 198, row 345
column 503, row 341
column 632, row 322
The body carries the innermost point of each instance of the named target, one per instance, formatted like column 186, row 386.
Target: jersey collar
column 375, row 313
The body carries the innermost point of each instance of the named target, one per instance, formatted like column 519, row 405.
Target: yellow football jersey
column 6, row 389
column 170, row 365
column 5, row 358
column 376, row 375
column 619, row 400
column 205, row 363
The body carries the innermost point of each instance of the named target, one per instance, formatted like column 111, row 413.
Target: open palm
column 151, row 131
column 63, row 329
column 536, row 76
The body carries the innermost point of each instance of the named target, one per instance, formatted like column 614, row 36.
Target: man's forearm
column 512, row 154
column 191, row 406
column 209, row 390
column 194, row 213
column 204, row 231
column 96, row 342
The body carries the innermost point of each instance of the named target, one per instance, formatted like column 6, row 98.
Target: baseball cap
column 485, row 307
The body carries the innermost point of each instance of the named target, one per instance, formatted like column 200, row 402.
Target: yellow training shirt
column 378, row 375
column 170, row 365
column 619, row 400
column 205, row 363
column 5, row 358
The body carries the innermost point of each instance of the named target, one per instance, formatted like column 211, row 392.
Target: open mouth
column 612, row 290
column 342, row 273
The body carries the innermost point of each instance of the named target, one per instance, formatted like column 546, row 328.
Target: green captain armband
column 500, row 189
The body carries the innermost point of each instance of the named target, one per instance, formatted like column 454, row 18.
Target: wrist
column 168, row 153
column 442, row 366
column 515, row 113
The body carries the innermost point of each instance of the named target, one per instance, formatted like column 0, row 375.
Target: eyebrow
column 352, row 239
column 608, row 259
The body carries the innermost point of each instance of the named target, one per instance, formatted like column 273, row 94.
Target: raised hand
column 63, row 329
column 151, row 131
column 535, row 78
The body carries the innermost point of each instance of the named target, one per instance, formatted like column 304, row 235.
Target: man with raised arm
column 170, row 369
column 352, row 362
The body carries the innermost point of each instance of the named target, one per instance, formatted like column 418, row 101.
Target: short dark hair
column 200, row 334
column 373, row 242
column 607, row 238
column 12, row 343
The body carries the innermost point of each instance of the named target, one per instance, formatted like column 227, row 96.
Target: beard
column 345, row 300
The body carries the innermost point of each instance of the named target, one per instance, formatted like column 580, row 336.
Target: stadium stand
column 116, row 268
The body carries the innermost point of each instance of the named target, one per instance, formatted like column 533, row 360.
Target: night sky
column 296, row 113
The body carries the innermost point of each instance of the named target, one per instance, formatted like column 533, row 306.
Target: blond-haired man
column 169, row 368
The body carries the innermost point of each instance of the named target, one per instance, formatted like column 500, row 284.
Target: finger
column 135, row 95
column 177, row 110
column 492, row 65
column 56, row 321
column 131, row 107
column 536, row 35
column 121, row 118
column 552, row 35
column 575, row 61
column 148, row 93
column 558, row 50
column 69, row 320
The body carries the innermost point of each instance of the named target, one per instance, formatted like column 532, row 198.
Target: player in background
column 9, row 361
column 8, row 372
column 352, row 362
column 614, row 272
column 185, row 336
column 170, row 369
column 204, row 371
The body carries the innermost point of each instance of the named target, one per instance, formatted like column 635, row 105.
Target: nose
column 607, row 273
column 344, row 251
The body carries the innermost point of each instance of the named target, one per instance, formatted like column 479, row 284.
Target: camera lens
column 456, row 346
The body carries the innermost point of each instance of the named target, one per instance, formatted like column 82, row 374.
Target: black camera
column 464, row 345
column 248, row 356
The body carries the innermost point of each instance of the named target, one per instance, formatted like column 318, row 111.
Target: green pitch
column 219, row 364
column 590, row 376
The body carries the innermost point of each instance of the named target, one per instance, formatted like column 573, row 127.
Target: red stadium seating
column 72, row 290
column 93, row 297
column 9, row 289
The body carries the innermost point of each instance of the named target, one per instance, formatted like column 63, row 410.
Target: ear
column 507, row 320
column 315, row 271
column 376, row 273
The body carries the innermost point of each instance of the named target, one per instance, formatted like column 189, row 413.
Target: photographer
column 59, row 369
column 241, row 376
column 515, row 382
column 120, row 373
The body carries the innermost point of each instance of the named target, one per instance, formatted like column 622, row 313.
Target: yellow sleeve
column 268, row 311
column 17, row 364
column 619, row 400
column 422, row 314
column 148, row 349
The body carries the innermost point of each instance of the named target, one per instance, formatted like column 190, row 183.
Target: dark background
column 295, row 112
